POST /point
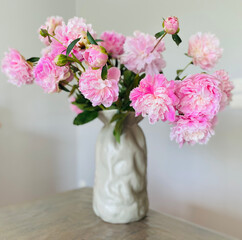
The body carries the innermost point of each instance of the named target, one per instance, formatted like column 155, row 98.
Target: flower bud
column 171, row 25
column 60, row 60
column 43, row 32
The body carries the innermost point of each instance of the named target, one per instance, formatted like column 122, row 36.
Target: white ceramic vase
column 120, row 188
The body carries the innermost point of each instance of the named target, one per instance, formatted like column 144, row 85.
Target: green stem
column 159, row 41
column 78, row 61
column 102, row 107
column 57, row 40
column 178, row 75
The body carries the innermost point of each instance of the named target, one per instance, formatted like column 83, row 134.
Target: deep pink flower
column 75, row 28
column 155, row 97
column 199, row 94
column 205, row 50
column 95, row 56
column 113, row 42
column 97, row 90
column 138, row 56
column 17, row 69
column 171, row 25
column 50, row 25
column 226, row 87
column 73, row 107
column 192, row 130
column 48, row 75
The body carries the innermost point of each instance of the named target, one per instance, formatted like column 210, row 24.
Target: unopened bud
column 43, row 32
column 61, row 60
column 171, row 25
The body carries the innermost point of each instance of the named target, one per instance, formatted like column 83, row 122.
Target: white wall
column 202, row 184
column 42, row 153
column 37, row 138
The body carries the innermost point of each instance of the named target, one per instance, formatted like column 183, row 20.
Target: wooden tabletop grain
column 69, row 216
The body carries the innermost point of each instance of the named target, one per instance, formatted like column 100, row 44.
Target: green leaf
column 179, row 71
column 177, row 78
column 118, row 129
column 104, row 72
column 71, row 46
column 33, row 59
column 99, row 40
column 176, row 39
column 159, row 34
column 85, row 117
column 116, row 117
column 63, row 88
column 91, row 39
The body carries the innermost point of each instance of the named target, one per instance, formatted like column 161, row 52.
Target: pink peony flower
column 73, row 107
column 113, row 42
column 192, row 130
column 155, row 97
column 17, row 69
column 50, row 25
column 171, row 25
column 138, row 56
column 97, row 90
column 75, row 28
column 205, row 50
column 226, row 87
column 48, row 75
column 199, row 94
column 95, row 56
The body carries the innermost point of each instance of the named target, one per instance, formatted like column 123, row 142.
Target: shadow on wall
column 200, row 215
column 29, row 170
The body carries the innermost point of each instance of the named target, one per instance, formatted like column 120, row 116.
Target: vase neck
column 106, row 116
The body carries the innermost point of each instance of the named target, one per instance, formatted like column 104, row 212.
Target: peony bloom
column 205, row 50
column 192, row 130
column 199, row 94
column 48, row 75
column 226, row 87
column 95, row 56
column 50, row 25
column 155, row 97
column 97, row 90
column 113, row 42
column 17, row 69
column 138, row 56
column 73, row 107
column 171, row 25
column 75, row 28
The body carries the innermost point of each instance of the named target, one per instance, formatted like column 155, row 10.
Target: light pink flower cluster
column 50, row 25
column 97, row 90
column 155, row 97
column 205, row 50
column 192, row 130
column 199, row 94
column 95, row 56
column 171, row 25
column 140, row 55
column 73, row 107
column 17, row 69
column 113, row 42
column 226, row 87
column 75, row 28
column 48, row 75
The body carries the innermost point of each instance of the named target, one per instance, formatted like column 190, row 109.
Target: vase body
column 120, row 188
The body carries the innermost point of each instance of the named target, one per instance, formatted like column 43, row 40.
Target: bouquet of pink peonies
column 126, row 73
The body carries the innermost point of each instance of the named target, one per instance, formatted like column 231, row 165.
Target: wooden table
column 69, row 216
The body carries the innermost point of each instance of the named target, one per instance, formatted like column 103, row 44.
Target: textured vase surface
column 120, row 193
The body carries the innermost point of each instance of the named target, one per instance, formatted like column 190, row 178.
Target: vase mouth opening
column 106, row 115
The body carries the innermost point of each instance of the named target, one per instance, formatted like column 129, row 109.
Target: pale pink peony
column 199, row 94
column 17, row 69
column 50, row 25
column 138, row 56
column 48, row 75
column 191, row 130
column 205, row 50
column 155, row 97
column 73, row 107
column 75, row 28
column 95, row 56
column 226, row 87
column 97, row 90
column 171, row 25
column 113, row 42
